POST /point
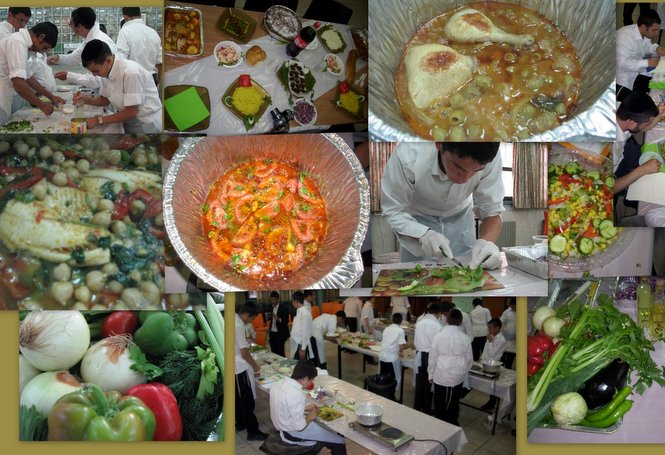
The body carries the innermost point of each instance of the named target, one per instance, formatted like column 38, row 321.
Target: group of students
column 124, row 74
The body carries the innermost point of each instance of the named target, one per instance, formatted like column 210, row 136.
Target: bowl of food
column 304, row 112
column 228, row 54
column 471, row 88
column 265, row 213
column 183, row 31
column 334, row 64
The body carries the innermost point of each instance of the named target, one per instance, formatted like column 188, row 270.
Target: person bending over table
column 301, row 330
column 125, row 85
column 323, row 328
column 295, row 420
column 17, row 87
column 426, row 329
column 495, row 346
column 450, row 359
column 429, row 192
column 392, row 344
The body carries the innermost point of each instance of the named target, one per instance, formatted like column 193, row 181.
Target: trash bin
column 382, row 385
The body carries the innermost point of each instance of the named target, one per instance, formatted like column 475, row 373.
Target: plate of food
column 349, row 101
column 328, row 413
column 228, row 54
column 236, row 25
column 247, row 100
column 183, row 31
column 304, row 112
column 333, row 64
column 282, row 23
column 331, row 39
column 296, row 78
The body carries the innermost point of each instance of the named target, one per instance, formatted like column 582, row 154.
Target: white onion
column 552, row 326
column 46, row 388
column 540, row 315
column 25, row 372
column 108, row 365
column 54, row 340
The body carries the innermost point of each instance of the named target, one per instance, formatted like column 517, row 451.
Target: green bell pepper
column 163, row 332
column 91, row 414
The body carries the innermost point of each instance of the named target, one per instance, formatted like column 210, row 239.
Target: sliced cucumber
column 572, row 168
column 609, row 182
column 604, row 224
column 558, row 244
column 408, row 287
column 608, row 232
column 595, row 222
column 585, row 245
column 595, row 175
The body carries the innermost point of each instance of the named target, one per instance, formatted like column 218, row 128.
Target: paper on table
column 649, row 188
column 186, row 108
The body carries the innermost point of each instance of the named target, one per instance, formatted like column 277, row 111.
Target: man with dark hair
column 392, row 344
column 17, row 18
column 17, row 87
column 126, row 86
column 636, row 53
column 136, row 41
column 429, row 192
column 278, row 332
column 245, row 418
column 495, row 346
column 480, row 317
column 83, row 23
column 324, row 328
column 308, row 297
column 426, row 329
column 450, row 359
column 301, row 330
column 294, row 419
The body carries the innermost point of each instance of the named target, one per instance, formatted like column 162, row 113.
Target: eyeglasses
column 21, row 20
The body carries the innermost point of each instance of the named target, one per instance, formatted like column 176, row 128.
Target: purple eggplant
column 599, row 390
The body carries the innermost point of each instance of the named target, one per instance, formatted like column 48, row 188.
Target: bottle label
column 301, row 43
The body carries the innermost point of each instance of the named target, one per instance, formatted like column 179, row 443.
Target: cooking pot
column 369, row 414
column 492, row 366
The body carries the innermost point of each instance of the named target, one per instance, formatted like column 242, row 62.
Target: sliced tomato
column 302, row 229
column 217, row 215
column 305, row 211
column 287, row 202
column 268, row 211
column 276, row 240
column 292, row 185
column 264, row 169
column 243, row 208
column 245, row 234
column 308, row 193
column 233, row 188
column 272, row 181
column 220, row 248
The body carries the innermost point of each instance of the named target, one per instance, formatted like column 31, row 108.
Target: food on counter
column 247, row 100
column 328, row 413
column 350, row 67
column 282, row 23
column 80, row 223
column 525, row 83
column 349, row 100
column 569, row 408
column 360, row 41
column 182, row 31
column 228, row 54
column 304, row 112
column 331, row 39
column 296, row 78
column 255, row 55
column 264, row 219
column 236, row 26
column 334, row 64
column 17, row 126
column 580, row 220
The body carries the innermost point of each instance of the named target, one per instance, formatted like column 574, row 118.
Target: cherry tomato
column 119, row 323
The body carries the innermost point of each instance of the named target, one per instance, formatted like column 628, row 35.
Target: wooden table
column 203, row 71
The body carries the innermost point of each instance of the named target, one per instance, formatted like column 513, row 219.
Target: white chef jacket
column 352, row 307
column 322, row 326
column 416, row 195
column 301, row 330
column 39, row 69
column 128, row 84
column 250, row 333
column 450, row 357
column 287, row 405
column 509, row 324
column 140, row 43
column 631, row 54
column 480, row 316
column 393, row 338
column 6, row 29
column 13, row 63
column 74, row 58
column 426, row 329
column 400, row 304
column 467, row 325
column 494, row 350
column 618, row 145
column 366, row 313
column 241, row 364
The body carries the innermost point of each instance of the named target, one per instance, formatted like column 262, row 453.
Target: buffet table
column 203, row 71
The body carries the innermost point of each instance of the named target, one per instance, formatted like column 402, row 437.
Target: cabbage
column 569, row 408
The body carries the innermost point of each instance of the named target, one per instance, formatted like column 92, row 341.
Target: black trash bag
column 382, row 385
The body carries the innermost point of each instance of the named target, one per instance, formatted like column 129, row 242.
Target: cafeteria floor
column 474, row 422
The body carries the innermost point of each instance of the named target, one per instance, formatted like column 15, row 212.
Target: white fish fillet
column 135, row 179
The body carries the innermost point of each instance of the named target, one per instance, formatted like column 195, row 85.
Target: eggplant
column 599, row 390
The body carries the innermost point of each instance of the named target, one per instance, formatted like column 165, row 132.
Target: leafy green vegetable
column 142, row 365
column 32, row 425
column 107, row 191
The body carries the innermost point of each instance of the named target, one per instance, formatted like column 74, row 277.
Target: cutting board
column 390, row 280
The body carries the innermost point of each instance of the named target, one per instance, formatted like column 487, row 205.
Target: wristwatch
column 100, row 119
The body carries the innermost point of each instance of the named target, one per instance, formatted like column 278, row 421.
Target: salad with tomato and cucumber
column 580, row 219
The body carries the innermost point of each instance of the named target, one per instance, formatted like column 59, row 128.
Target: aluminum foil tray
column 525, row 258
column 589, row 24
column 331, row 163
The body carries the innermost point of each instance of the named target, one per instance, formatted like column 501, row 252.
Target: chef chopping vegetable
column 429, row 193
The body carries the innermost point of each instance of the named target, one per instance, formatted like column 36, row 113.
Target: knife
column 453, row 260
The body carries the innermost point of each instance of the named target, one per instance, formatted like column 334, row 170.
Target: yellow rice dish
column 247, row 100
column 350, row 102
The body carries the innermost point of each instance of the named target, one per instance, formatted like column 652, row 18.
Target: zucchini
column 558, row 244
column 608, row 232
column 585, row 245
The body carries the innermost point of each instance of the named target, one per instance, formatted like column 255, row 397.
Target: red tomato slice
column 264, row 169
column 245, row 234
column 233, row 188
column 275, row 241
column 302, row 230
column 292, row 185
column 243, row 208
column 272, row 181
column 308, row 193
column 306, row 211
column 270, row 210
column 287, row 202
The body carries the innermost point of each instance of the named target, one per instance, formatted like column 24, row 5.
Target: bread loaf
column 255, row 55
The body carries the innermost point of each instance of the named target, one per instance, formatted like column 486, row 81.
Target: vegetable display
column 594, row 335
column 163, row 332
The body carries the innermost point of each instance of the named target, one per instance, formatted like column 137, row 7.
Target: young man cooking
column 323, row 328
column 125, row 85
column 429, row 192
column 426, row 329
column 294, row 419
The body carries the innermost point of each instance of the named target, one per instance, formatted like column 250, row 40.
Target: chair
column 258, row 321
column 262, row 336
column 326, row 307
column 263, row 5
column 328, row 11
column 316, row 311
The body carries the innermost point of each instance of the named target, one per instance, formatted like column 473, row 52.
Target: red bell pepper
column 161, row 401
column 343, row 87
column 244, row 80
column 532, row 368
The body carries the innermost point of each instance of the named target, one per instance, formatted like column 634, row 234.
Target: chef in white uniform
column 429, row 192
column 323, row 328
column 17, row 86
column 392, row 344
column 301, row 330
column 17, row 18
column 426, row 329
column 126, row 86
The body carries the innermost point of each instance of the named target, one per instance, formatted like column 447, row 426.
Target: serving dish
column 357, row 115
column 331, row 39
column 304, row 112
column 204, row 98
column 281, row 23
column 249, row 121
column 236, row 25
column 228, row 54
column 183, row 31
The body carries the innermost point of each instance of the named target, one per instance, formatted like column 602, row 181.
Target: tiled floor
column 474, row 422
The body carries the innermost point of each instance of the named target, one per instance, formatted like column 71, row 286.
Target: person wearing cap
column 636, row 53
column 136, row 41
column 17, row 18
column 17, row 86
column 429, row 193
column 126, row 86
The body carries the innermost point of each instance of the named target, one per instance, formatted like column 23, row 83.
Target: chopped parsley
column 205, row 208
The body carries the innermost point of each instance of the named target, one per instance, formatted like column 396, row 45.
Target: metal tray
column 200, row 29
column 525, row 258
column 583, row 429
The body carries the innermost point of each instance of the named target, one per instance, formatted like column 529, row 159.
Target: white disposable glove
column 485, row 249
column 435, row 245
